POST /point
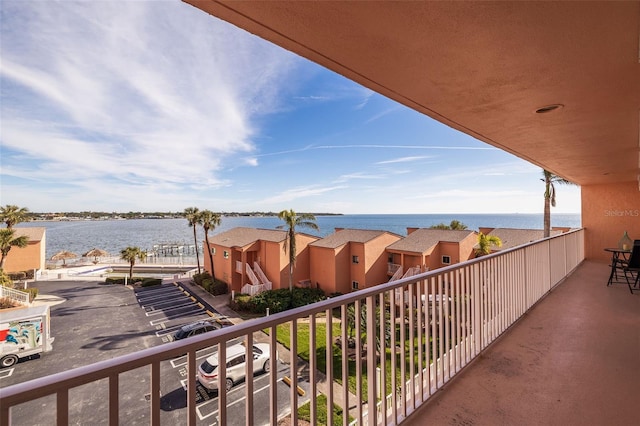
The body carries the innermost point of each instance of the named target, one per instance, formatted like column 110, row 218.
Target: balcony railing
column 403, row 352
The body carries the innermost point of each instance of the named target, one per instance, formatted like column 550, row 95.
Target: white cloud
column 133, row 91
column 403, row 160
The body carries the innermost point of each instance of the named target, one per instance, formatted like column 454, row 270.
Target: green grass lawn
column 283, row 337
column 304, row 412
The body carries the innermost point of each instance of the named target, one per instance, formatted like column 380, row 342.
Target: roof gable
column 241, row 236
column 344, row 236
column 423, row 239
column 34, row 234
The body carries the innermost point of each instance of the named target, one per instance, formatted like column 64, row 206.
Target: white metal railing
column 239, row 266
column 252, row 277
column 252, row 290
column 258, row 270
column 392, row 268
column 397, row 274
column 18, row 296
column 445, row 319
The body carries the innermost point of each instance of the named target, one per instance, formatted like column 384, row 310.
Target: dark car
column 196, row 328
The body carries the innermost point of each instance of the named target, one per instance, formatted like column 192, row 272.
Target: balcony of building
column 529, row 335
column 571, row 360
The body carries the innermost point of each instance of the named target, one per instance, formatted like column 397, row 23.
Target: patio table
column 619, row 258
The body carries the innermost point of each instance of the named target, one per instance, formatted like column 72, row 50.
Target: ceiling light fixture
column 549, row 108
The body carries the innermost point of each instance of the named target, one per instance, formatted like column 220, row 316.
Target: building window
column 446, row 260
column 225, row 254
column 213, row 251
column 354, row 285
column 355, row 259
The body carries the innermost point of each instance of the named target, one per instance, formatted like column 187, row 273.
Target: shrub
column 242, row 302
column 276, row 300
column 206, row 284
column 33, row 293
column 306, row 296
column 148, row 282
column 219, row 287
column 199, row 278
column 17, row 276
column 5, row 281
column 120, row 280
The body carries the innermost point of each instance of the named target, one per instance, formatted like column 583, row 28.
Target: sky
column 148, row 106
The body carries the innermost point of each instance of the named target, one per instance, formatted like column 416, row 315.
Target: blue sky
column 157, row 106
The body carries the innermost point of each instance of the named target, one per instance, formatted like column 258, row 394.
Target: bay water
column 80, row 236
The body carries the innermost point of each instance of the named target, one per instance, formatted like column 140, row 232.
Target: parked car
column 235, row 359
column 196, row 328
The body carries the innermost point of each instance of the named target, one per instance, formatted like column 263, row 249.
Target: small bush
column 33, row 293
column 148, row 282
column 199, row 278
column 17, row 276
column 206, row 284
column 5, row 281
column 218, row 288
column 276, row 300
column 242, row 303
column 306, row 296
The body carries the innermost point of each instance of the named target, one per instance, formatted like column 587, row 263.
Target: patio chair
column 632, row 267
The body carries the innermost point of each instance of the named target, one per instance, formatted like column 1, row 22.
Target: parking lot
column 91, row 321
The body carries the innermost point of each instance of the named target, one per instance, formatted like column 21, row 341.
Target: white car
column 208, row 370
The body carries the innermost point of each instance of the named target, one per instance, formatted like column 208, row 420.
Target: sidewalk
column 221, row 305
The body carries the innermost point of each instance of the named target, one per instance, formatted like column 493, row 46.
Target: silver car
column 208, row 370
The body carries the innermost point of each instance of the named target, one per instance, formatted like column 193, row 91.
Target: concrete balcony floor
column 573, row 359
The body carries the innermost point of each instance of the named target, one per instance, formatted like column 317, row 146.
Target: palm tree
column 192, row 215
column 209, row 220
column 12, row 215
column 8, row 240
column 130, row 254
column 291, row 220
column 485, row 242
column 550, row 180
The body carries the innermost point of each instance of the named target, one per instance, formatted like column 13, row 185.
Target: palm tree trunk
column 131, row 270
column 206, row 238
column 195, row 241
column 547, row 216
column 290, row 277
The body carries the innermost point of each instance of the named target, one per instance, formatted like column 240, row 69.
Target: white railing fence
column 18, row 296
column 252, row 290
column 252, row 277
column 260, row 273
column 405, row 351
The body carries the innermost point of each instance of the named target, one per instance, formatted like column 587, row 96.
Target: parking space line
column 173, row 307
column 7, row 372
column 169, row 318
column 202, row 416
column 158, row 305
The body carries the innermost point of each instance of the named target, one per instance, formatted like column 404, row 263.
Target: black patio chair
column 632, row 267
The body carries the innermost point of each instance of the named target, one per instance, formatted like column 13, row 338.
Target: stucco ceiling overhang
column 484, row 68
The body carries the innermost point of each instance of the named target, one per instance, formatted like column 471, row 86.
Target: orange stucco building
column 511, row 237
column 256, row 256
column 31, row 257
column 350, row 259
column 429, row 249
